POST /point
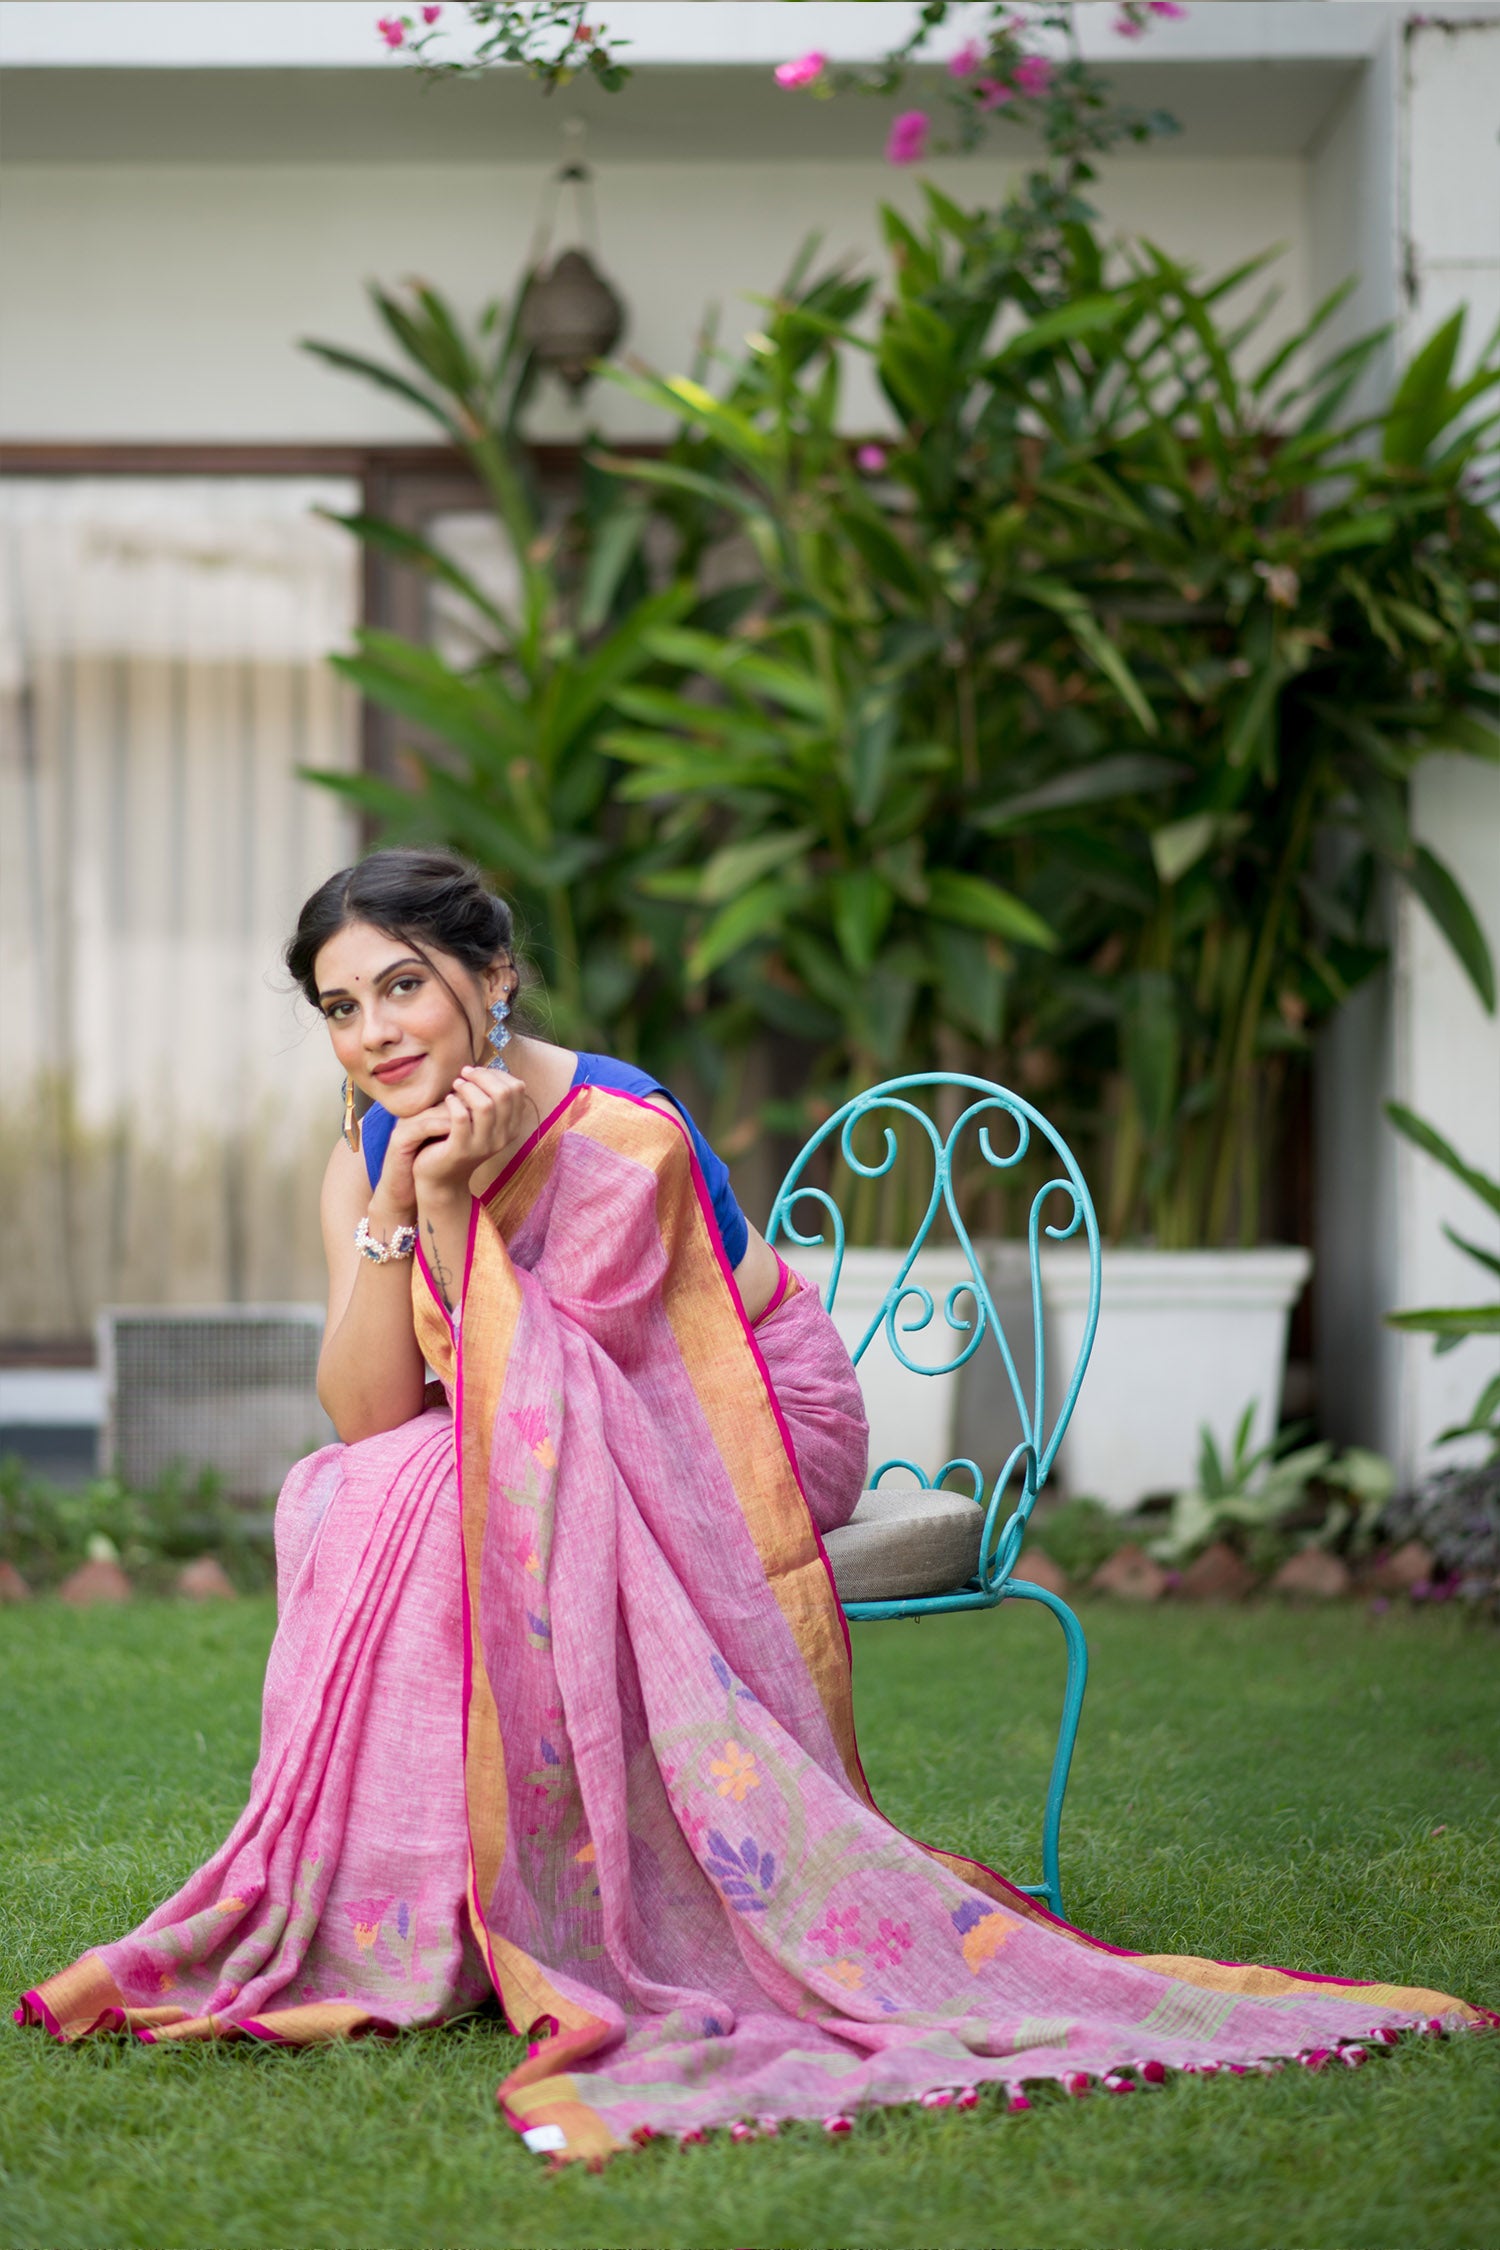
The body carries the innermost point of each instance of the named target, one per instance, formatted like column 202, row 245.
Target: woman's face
column 396, row 1027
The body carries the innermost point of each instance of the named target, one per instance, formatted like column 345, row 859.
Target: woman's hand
column 475, row 1124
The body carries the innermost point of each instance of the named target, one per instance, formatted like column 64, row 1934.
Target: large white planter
column 911, row 1415
column 1186, row 1338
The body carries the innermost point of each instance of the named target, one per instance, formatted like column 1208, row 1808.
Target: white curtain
column 167, row 1106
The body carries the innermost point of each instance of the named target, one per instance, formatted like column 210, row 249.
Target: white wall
column 165, row 303
column 1413, row 167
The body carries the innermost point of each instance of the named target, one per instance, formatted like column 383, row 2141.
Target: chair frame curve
column 888, row 1105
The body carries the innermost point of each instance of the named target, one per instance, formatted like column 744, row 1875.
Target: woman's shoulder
column 615, row 1076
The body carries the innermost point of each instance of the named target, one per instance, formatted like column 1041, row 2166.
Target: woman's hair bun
column 423, row 894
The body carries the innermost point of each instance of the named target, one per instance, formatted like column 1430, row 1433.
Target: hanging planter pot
column 570, row 316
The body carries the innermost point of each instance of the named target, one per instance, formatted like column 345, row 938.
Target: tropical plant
column 1114, row 631
column 1257, row 1489
column 504, row 759
column 1448, row 1325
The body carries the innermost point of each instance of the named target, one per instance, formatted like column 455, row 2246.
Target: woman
column 559, row 1702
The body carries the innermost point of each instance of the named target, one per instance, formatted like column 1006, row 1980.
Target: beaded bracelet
column 401, row 1245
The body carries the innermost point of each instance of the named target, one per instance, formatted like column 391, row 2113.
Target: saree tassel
column 1017, row 2100
column 838, row 2126
column 968, row 2099
column 1154, row 2073
column 1077, row 2083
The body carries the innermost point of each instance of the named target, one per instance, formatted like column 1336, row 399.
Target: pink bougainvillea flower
column 802, row 70
column 1173, row 10
column 908, row 138
column 1033, row 75
column 432, row 11
column 392, row 30
column 992, row 93
column 966, row 61
column 870, row 458
column 1127, row 27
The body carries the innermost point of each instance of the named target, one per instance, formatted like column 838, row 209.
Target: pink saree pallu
column 559, row 1706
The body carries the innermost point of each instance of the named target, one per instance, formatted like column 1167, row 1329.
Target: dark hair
column 423, row 896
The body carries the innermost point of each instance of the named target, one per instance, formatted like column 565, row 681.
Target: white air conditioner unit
column 229, row 1388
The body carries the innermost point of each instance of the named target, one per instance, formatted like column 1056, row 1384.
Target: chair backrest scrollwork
column 896, row 1107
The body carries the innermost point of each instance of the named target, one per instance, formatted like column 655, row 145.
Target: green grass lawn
column 1318, row 1790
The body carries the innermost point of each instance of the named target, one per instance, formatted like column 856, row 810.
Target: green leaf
column 738, row 664
column 1132, row 773
column 1422, row 402
column 1151, row 1045
column 1427, row 1138
column 862, row 904
column 1085, row 316
column 1454, row 916
column 870, row 752
column 1065, row 602
column 669, row 476
column 409, row 547
column 876, row 544
column 1475, row 1250
column 615, row 546
column 353, row 363
column 737, row 866
column 980, row 905
column 971, row 978
column 1449, row 1320
column 1181, row 844
column 749, row 916
column 1466, row 731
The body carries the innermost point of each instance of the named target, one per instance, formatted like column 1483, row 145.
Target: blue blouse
column 377, row 1126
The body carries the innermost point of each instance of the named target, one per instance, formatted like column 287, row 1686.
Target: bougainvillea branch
column 552, row 40
column 997, row 72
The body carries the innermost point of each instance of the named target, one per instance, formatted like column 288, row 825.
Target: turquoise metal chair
column 892, row 1107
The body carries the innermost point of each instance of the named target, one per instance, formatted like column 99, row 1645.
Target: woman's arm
column 370, row 1371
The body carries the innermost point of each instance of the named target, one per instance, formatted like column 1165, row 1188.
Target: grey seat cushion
column 901, row 1541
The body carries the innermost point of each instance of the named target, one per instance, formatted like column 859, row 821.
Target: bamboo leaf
column 354, row 363
column 735, row 926
column 1422, row 404
column 1476, row 1250
column 1457, row 1321
column 737, row 866
column 1181, row 844
column 862, row 905
column 1132, row 773
column 976, row 904
column 1427, row 1138
column 1065, row 602
column 1455, row 917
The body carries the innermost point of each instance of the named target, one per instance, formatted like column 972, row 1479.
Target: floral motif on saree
column 602, row 1584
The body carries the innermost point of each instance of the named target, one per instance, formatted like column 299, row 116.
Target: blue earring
column 499, row 1035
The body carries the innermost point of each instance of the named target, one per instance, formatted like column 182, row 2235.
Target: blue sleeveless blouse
column 377, row 1126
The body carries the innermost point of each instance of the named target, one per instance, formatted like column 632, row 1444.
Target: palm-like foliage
column 504, row 759
column 1448, row 1325
column 1053, row 732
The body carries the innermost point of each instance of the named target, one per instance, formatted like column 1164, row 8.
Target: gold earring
column 351, row 1122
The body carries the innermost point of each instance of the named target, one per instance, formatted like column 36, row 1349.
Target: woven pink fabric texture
column 563, row 1708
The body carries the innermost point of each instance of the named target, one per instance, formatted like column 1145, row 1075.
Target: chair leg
column 1050, row 1887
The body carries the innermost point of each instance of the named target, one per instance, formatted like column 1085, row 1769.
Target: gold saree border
column 734, row 1394
column 491, row 1295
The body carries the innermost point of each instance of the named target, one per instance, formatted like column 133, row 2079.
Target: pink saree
column 559, row 1708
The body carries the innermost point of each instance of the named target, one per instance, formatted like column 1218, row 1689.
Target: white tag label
column 542, row 2139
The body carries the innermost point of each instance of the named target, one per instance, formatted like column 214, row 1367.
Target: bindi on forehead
column 358, row 977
